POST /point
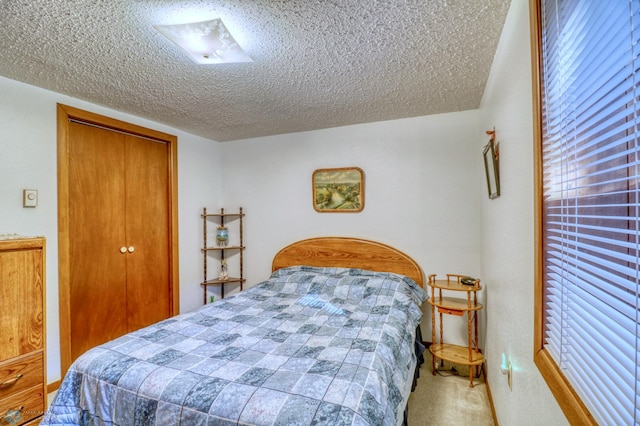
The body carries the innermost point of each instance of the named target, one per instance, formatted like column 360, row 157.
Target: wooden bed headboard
column 348, row 252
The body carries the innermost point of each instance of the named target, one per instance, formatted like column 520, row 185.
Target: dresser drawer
column 20, row 373
column 22, row 407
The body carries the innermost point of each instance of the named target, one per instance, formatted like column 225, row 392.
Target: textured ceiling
column 316, row 63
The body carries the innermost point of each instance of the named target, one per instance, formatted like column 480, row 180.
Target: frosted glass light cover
column 207, row 42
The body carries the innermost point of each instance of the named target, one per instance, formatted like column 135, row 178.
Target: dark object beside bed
column 311, row 345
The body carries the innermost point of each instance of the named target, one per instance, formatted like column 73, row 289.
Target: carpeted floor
column 447, row 400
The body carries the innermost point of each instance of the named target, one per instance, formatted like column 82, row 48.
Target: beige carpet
column 447, row 400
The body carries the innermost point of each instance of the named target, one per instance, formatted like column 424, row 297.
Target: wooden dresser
column 22, row 330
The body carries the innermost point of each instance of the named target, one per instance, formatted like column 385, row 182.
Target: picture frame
column 492, row 168
column 338, row 190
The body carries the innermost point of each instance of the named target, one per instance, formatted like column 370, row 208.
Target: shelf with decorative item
column 223, row 249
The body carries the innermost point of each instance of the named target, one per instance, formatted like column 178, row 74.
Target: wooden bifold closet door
column 117, row 254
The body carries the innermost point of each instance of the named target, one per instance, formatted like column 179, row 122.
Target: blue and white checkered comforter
column 324, row 346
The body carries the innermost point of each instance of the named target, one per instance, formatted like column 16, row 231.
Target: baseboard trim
column 493, row 409
column 53, row 386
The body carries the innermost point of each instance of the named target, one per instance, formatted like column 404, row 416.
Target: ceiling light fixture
column 207, row 42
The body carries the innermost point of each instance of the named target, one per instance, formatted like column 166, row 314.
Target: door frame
column 64, row 114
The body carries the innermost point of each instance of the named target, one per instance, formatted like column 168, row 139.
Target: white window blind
column 591, row 230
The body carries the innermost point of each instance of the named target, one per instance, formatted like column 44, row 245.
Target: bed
column 329, row 338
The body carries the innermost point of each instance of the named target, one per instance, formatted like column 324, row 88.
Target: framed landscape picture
column 338, row 190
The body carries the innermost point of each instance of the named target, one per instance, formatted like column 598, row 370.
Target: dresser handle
column 12, row 381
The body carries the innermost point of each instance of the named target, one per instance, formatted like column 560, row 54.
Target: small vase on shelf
column 223, row 270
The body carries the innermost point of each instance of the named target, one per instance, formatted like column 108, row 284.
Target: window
column 588, row 284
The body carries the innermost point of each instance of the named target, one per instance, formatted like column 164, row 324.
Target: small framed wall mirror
column 491, row 166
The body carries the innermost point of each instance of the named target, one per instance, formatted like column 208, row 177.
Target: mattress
column 310, row 345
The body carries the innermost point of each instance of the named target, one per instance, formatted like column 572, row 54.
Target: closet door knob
column 131, row 249
column 123, row 249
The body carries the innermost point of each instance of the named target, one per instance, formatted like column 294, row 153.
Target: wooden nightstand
column 464, row 355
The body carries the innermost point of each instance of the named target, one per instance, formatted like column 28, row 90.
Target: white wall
column 421, row 192
column 28, row 146
column 508, row 233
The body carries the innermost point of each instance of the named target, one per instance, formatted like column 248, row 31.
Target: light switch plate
column 29, row 198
